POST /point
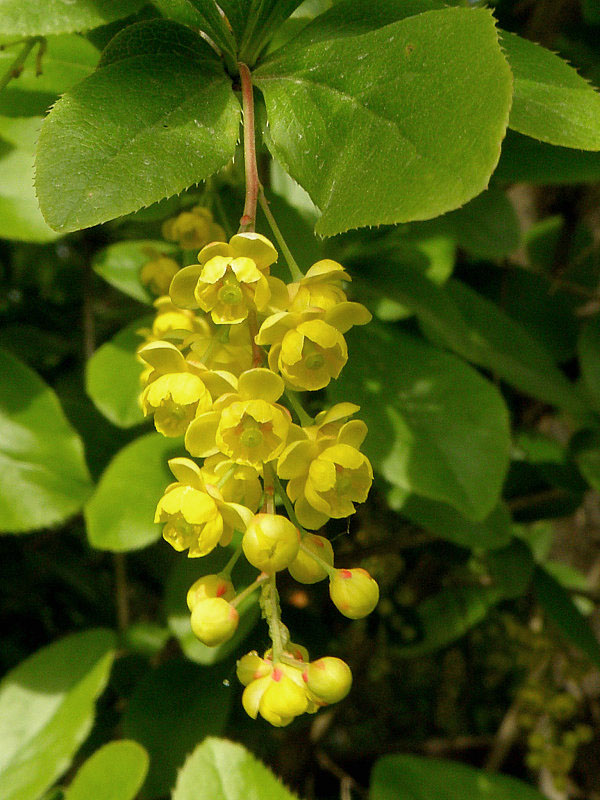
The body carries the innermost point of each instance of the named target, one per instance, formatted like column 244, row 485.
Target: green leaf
column 112, row 376
column 67, row 60
column 551, row 101
column 588, row 347
column 172, row 708
column 526, row 160
column 402, row 777
column 564, row 613
column 199, row 15
column 436, row 427
column 114, row 772
column 32, row 18
column 47, row 710
column 44, row 478
column 184, row 573
column 157, row 117
column 222, row 770
column 416, row 159
column 120, row 265
column 20, row 215
column 444, row 521
column 120, row 515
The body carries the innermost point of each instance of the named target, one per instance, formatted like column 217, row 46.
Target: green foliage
column 44, row 478
column 172, row 708
column 47, row 709
column 120, row 265
column 31, row 18
column 403, row 777
column 527, row 160
column 160, row 97
column 381, row 118
column 118, row 399
column 124, row 761
column 221, row 770
column 119, row 515
column 436, row 427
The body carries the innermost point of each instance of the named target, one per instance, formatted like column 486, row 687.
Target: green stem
column 269, row 479
column 226, row 571
column 248, row 220
column 295, row 270
column 223, row 480
column 260, row 581
column 287, row 504
column 272, row 612
column 17, row 65
column 305, row 419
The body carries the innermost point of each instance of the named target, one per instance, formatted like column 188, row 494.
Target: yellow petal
column 345, row 315
column 337, row 412
column 308, row 516
column 280, row 296
column 275, row 327
column 183, row 286
column 321, row 333
column 213, row 270
column 291, row 348
column 200, row 435
column 235, row 515
column 214, row 249
column 219, row 382
column 262, row 294
column 253, row 695
column 322, row 474
column 295, row 459
column 245, row 270
column 186, row 471
column 164, row 357
column 208, row 538
column 261, row 384
column 326, row 269
column 353, row 433
column 197, row 507
column 344, row 455
column 254, row 246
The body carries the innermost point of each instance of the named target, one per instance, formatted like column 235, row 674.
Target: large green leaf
column 564, row 613
column 47, row 709
column 158, row 116
column 330, row 121
column 552, row 102
column 112, row 377
column 43, row 475
column 120, row 514
column 436, row 427
column 222, row 770
column 525, row 160
column 114, row 772
column 120, row 264
column 67, row 60
column 171, row 710
column 20, row 215
column 403, row 777
column 32, row 18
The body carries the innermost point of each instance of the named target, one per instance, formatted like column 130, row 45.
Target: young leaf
column 118, row 399
column 436, row 427
column 47, row 710
column 200, row 15
column 552, row 102
column 20, row 215
column 119, row 516
column 330, row 119
column 32, row 18
column 222, row 770
column 171, row 710
column 402, row 777
column 120, row 264
column 44, row 478
column 114, row 772
column 158, row 116
column 67, row 60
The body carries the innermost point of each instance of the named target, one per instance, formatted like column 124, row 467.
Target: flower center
column 314, row 361
column 230, row 293
column 252, row 435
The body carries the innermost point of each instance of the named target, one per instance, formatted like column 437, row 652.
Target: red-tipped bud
column 354, row 592
column 209, row 586
column 328, row 678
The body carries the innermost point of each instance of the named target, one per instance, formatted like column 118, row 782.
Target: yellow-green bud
column 251, row 667
column 329, row 678
column 353, row 592
column 305, row 569
column 270, row 542
column 209, row 586
column 214, row 621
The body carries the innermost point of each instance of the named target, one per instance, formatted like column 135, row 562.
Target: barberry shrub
column 300, row 366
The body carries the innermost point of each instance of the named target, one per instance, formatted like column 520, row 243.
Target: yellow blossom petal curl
column 201, row 435
column 260, row 384
column 252, row 431
column 312, row 354
column 174, row 399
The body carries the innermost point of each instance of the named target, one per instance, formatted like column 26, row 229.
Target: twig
column 248, row 220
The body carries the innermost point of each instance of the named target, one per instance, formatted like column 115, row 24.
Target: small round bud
column 209, row 586
column 354, row 592
column 251, row 667
column 305, row 569
column 270, row 542
column 214, row 621
column 329, row 678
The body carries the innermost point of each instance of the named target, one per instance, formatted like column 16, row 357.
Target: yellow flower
column 242, row 484
column 321, row 287
column 214, row 621
column 278, row 697
column 177, row 390
column 247, row 426
column 170, row 319
column 232, row 353
column 310, row 355
column 229, row 279
column 158, row 273
column 196, row 515
column 192, row 229
column 326, row 473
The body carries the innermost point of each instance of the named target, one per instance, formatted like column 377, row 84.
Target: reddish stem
column 248, row 219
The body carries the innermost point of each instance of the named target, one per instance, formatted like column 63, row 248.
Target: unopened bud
column 209, row 586
column 328, row 678
column 214, row 621
column 304, row 568
column 270, row 542
column 354, row 592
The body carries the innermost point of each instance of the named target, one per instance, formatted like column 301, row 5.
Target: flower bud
column 209, row 586
column 329, row 678
column 251, row 667
column 305, row 569
column 214, row 621
column 270, row 542
column 354, row 592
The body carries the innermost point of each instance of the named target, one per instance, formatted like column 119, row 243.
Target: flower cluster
column 229, row 349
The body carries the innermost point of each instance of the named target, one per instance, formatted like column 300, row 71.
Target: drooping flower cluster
column 229, row 349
